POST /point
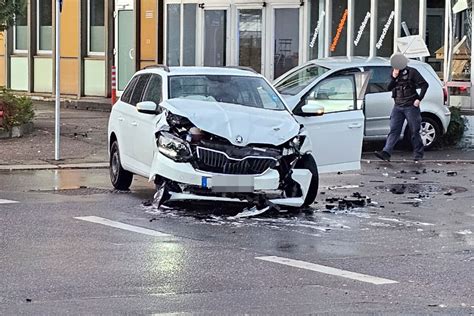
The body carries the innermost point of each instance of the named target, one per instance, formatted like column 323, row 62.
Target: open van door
column 332, row 113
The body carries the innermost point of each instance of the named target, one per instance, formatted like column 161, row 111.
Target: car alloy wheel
column 428, row 133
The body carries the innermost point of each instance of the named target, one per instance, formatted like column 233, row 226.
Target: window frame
column 298, row 110
column 89, row 51
column 38, row 39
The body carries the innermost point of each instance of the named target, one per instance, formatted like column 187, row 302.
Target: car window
column 300, row 79
column 379, row 79
column 241, row 90
column 139, row 88
column 334, row 94
column 129, row 90
column 153, row 90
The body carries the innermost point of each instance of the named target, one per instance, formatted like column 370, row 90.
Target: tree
column 8, row 10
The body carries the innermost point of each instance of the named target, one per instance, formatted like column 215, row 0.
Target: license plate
column 231, row 184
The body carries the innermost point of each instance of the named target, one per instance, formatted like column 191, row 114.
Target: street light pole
column 57, row 126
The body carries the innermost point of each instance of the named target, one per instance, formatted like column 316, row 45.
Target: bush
column 17, row 110
column 456, row 128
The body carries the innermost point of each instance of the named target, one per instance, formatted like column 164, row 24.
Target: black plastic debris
column 451, row 173
column 353, row 201
column 398, row 189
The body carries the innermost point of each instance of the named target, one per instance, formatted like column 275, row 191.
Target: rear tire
column 121, row 179
column 430, row 133
column 308, row 162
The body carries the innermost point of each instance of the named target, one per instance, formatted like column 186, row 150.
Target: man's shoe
column 382, row 155
column 416, row 159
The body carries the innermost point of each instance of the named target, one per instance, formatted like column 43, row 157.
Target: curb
column 94, row 165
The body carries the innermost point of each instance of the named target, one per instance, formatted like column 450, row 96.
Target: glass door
column 286, row 40
column 124, row 42
column 250, row 23
column 215, row 37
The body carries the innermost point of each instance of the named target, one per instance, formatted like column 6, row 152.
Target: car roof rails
column 164, row 67
column 243, row 68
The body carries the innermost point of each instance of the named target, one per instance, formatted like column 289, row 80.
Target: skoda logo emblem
column 239, row 139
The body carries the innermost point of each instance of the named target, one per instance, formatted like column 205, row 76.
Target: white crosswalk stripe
column 327, row 270
column 2, row 201
column 108, row 222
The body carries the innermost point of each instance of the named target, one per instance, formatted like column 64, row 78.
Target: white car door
column 145, row 141
column 378, row 102
column 130, row 132
column 121, row 115
column 336, row 135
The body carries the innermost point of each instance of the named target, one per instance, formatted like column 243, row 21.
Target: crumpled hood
column 241, row 125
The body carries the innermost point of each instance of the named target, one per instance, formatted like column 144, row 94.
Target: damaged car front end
column 197, row 159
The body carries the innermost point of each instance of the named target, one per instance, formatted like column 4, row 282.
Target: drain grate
column 81, row 191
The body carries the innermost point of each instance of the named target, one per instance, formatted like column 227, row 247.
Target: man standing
column 404, row 82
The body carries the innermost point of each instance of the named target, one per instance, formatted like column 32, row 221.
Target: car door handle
column 134, row 124
column 355, row 125
column 121, row 119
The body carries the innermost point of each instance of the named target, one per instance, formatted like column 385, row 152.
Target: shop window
column 172, row 34
column 96, row 31
column 189, row 34
column 21, row 30
column 286, row 40
column 361, row 28
column 181, row 16
column 44, row 25
column 315, row 33
column 385, row 21
column 338, row 43
column 215, row 38
column 410, row 18
column 250, row 38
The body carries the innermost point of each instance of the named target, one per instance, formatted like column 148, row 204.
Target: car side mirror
column 313, row 108
column 147, row 107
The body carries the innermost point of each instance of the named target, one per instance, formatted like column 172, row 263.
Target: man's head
column 398, row 61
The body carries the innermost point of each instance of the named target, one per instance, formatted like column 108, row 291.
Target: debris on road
column 354, row 201
column 451, row 173
column 254, row 211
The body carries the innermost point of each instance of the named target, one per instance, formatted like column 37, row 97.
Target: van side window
column 379, row 79
column 129, row 90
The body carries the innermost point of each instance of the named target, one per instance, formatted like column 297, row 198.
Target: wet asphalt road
column 418, row 232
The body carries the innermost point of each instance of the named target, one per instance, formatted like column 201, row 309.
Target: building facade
column 270, row 36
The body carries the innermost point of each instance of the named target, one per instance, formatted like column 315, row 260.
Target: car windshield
column 247, row 91
column 298, row 80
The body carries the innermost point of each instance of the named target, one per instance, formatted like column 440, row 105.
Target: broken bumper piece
column 220, row 184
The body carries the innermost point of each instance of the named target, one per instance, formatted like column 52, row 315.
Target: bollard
column 114, row 86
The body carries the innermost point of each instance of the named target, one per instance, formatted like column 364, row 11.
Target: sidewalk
column 83, row 140
column 84, row 144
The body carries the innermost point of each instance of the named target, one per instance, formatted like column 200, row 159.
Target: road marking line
column 7, row 201
column 108, row 222
column 327, row 270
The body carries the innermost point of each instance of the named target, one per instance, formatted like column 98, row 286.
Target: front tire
column 308, row 162
column 121, row 179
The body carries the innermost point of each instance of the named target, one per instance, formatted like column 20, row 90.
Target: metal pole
column 58, row 95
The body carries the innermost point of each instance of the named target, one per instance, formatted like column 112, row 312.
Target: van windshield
column 295, row 82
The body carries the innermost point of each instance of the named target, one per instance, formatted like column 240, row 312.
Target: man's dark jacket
column 404, row 87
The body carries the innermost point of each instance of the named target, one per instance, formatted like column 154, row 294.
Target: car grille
column 219, row 162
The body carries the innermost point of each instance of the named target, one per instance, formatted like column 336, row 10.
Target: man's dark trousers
column 413, row 116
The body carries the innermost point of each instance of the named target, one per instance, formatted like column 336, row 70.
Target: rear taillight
column 445, row 94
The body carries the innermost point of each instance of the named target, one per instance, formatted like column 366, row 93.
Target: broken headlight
column 173, row 147
column 293, row 146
